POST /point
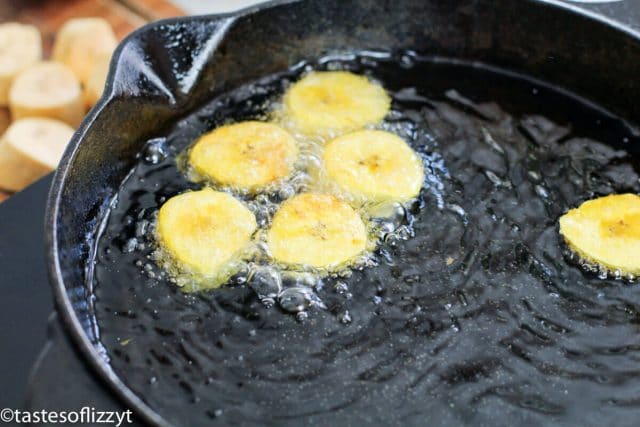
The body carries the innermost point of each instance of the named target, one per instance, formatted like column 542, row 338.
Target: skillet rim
column 63, row 305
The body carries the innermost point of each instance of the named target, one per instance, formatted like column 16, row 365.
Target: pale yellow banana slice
column 94, row 87
column 247, row 155
column 47, row 89
column 316, row 230
column 606, row 231
column 333, row 102
column 203, row 230
column 20, row 47
column 29, row 149
column 81, row 43
column 374, row 165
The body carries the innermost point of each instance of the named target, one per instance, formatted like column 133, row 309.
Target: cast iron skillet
column 167, row 69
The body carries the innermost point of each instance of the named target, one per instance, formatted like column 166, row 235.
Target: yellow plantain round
column 374, row 165
column 316, row 230
column 606, row 231
column 203, row 230
column 247, row 155
column 335, row 102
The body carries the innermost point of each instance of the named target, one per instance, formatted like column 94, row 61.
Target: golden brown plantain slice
column 204, row 230
column 606, row 231
column 316, row 230
column 247, row 155
column 333, row 102
column 374, row 165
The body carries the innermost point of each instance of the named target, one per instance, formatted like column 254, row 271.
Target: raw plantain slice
column 81, row 43
column 316, row 230
column 20, row 47
column 29, row 149
column 335, row 102
column 95, row 85
column 374, row 165
column 47, row 89
column 606, row 231
column 203, row 230
column 248, row 155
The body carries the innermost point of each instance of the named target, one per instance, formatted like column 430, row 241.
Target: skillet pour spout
column 167, row 70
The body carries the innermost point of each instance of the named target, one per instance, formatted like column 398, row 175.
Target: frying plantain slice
column 374, row 165
column 81, row 43
column 248, row 155
column 20, row 47
column 606, row 231
column 203, row 230
column 47, row 89
column 30, row 149
column 332, row 102
column 316, row 230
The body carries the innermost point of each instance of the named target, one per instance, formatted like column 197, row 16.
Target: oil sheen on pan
column 478, row 315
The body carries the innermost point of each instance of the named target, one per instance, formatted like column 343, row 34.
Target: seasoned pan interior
column 482, row 318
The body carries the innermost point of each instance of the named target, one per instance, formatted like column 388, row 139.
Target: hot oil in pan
column 482, row 318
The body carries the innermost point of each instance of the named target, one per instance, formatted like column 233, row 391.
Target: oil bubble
column 345, row 318
column 155, row 151
column 266, row 282
column 389, row 217
column 341, row 288
column 130, row 245
column 286, row 192
column 295, row 299
column 268, row 302
column 307, row 280
column 263, row 216
column 141, row 228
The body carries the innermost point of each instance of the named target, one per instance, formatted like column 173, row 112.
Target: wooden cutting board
column 49, row 15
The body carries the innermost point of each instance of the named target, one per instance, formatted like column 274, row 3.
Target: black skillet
column 167, row 69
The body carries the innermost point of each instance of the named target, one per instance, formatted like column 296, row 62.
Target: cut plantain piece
column 29, row 149
column 247, row 155
column 606, row 231
column 47, row 89
column 333, row 102
column 81, row 43
column 203, row 230
column 374, row 165
column 95, row 85
column 316, row 230
column 20, row 47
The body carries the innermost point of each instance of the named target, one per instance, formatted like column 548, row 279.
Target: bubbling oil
column 480, row 318
column 273, row 282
